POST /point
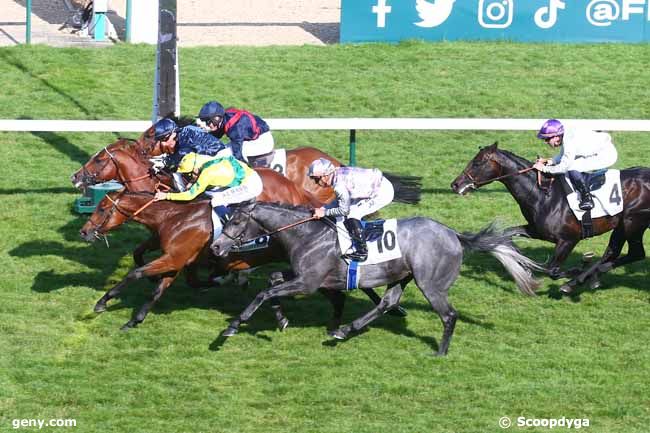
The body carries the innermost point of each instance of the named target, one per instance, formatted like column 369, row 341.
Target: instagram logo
column 495, row 14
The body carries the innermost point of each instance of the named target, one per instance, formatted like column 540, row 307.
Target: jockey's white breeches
column 248, row 190
column 263, row 145
column 604, row 159
column 365, row 206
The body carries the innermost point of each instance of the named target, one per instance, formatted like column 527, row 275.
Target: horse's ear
column 495, row 145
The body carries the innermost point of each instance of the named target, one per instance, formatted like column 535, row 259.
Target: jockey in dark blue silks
column 250, row 136
column 177, row 142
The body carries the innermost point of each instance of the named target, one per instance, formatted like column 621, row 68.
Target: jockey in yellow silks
column 225, row 180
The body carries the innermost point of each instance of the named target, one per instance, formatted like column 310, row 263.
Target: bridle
column 238, row 238
column 478, row 183
column 91, row 178
column 116, row 207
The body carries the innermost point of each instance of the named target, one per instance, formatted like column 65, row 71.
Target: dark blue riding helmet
column 164, row 127
column 211, row 110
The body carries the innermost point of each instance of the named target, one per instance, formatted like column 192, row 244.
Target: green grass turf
column 511, row 355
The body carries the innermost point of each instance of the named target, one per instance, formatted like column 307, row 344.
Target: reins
column 485, row 182
column 130, row 217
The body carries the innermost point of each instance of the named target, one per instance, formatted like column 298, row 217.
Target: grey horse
column 432, row 254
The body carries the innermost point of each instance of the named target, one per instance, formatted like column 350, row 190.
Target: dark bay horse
column 316, row 262
column 549, row 217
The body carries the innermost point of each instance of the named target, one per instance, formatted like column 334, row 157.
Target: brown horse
column 298, row 161
column 184, row 229
column 549, row 217
column 125, row 162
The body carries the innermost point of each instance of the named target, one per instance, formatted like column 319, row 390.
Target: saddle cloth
column 608, row 198
column 382, row 249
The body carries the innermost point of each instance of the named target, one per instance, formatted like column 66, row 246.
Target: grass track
column 510, row 356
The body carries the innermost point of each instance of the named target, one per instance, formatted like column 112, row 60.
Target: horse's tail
column 499, row 243
column 407, row 188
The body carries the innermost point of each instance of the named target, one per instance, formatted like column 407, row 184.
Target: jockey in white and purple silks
column 583, row 151
column 359, row 192
column 249, row 135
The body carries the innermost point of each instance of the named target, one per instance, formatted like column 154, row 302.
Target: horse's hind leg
column 374, row 297
column 434, row 285
column 390, row 299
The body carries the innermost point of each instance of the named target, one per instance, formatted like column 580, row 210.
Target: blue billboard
column 516, row 20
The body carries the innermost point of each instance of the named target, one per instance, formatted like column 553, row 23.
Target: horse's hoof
column 566, row 289
column 398, row 311
column 283, row 324
column 229, row 332
column 127, row 326
column 594, row 284
column 99, row 308
column 338, row 334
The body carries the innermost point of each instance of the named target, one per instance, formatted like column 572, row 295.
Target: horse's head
column 107, row 215
column 242, row 226
column 99, row 168
column 479, row 171
column 123, row 161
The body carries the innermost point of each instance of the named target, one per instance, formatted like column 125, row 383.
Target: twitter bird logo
column 433, row 13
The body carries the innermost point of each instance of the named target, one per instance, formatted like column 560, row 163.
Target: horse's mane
column 523, row 162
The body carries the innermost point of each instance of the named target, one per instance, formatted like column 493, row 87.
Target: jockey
column 582, row 152
column 359, row 192
column 225, row 180
column 250, row 136
column 177, row 142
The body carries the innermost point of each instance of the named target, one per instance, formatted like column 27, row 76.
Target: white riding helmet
column 321, row 167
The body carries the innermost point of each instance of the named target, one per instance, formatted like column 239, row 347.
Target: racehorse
column 315, row 259
column 125, row 162
column 407, row 188
column 550, row 218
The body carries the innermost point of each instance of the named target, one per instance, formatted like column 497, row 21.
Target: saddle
column 372, row 230
column 261, row 161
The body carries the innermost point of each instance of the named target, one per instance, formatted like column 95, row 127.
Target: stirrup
column 587, row 204
column 356, row 256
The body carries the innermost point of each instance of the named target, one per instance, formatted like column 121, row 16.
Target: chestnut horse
column 125, row 161
column 549, row 217
column 298, row 161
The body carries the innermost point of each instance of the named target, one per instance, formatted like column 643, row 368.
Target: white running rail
column 336, row 124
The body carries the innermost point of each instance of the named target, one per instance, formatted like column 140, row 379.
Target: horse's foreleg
column 613, row 251
column 139, row 317
column 166, row 266
column 562, row 250
column 390, row 299
column 290, row 288
column 151, row 244
column 100, row 306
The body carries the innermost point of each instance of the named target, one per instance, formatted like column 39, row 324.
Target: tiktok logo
column 546, row 16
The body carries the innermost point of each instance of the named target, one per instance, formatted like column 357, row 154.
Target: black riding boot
column 580, row 183
column 360, row 253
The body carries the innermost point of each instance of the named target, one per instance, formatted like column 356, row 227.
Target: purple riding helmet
column 551, row 128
